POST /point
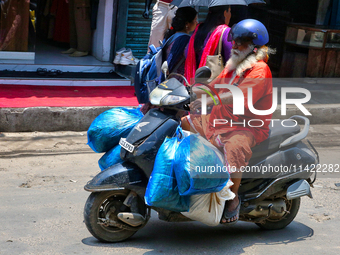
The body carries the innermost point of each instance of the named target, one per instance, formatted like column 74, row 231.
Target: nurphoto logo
column 238, row 100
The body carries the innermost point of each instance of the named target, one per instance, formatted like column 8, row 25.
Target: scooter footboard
column 120, row 176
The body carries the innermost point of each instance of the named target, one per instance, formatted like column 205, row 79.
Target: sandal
column 54, row 72
column 230, row 214
column 42, row 71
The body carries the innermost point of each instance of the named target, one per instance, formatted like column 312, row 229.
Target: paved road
column 41, row 199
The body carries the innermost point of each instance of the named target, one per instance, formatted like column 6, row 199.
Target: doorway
column 36, row 33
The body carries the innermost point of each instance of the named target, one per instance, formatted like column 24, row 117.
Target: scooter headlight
column 172, row 100
column 157, row 95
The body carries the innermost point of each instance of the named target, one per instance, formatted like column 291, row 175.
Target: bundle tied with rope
column 208, row 208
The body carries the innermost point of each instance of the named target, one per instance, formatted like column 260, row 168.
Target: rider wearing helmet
column 245, row 69
column 249, row 30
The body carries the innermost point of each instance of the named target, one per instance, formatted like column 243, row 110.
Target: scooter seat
column 277, row 135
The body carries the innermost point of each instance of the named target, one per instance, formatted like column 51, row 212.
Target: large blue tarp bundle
column 162, row 190
column 107, row 129
column 199, row 169
column 110, row 158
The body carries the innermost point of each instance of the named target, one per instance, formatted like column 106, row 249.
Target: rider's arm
column 147, row 9
column 199, row 92
column 226, row 98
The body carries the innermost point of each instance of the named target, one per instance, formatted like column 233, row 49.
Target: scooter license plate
column 126, row 145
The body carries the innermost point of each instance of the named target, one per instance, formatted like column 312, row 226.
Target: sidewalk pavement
column 324, row 107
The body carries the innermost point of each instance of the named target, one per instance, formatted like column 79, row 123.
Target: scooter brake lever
column 193, row 96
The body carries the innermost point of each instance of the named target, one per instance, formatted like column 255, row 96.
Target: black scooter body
column 120, row 176
column 296, row 160
column 135, row 172
column 149, row 138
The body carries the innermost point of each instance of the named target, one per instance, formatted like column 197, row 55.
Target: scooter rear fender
column 120, row 176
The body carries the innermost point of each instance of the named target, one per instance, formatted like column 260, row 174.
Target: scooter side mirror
column 165, row 68
column 202, row 74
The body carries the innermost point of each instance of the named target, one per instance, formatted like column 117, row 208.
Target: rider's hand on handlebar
column 196, row 105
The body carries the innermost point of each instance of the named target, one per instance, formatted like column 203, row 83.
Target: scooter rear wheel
column 97, row 207
column 293, row 207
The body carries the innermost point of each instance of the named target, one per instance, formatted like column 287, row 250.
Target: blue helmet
column 249, row 29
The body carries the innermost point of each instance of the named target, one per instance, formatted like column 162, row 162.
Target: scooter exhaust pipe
column 132, row 218
column 299, row 189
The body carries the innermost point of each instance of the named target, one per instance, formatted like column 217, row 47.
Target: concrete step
column 48, row 119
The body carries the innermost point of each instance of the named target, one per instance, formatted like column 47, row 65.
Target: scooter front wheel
column 100, row 209
column 293, row 208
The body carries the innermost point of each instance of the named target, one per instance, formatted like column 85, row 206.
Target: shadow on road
column 189, row 238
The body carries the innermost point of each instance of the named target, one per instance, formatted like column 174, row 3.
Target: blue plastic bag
column 162, row 190
column 199, row 169
column 110, row 158
column 107, row 129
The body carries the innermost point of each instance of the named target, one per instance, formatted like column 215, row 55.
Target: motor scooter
column 115, row 209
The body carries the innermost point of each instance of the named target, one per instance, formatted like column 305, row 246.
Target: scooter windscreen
column 169, row 92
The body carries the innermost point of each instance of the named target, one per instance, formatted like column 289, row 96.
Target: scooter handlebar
column 173, row 75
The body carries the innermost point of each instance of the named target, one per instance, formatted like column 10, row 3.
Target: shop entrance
column 37, row 33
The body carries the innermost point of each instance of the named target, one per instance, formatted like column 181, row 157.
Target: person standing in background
column 184, row 22
column 14, row 25
column 205, row 39
column 162, row 14
column 80, row 28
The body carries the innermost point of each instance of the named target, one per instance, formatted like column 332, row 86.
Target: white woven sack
column 208, row 208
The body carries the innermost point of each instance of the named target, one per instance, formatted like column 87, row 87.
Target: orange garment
column 259, row 79
column 236, row 144
column 236, row 147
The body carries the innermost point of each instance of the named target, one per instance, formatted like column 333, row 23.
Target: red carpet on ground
column 21, row 96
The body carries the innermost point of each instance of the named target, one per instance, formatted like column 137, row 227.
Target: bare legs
column 232, row 204
column 236, row 177
column 185, row 124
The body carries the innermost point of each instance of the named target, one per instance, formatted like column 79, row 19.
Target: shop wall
column 133, row 31
column 103, row 33
column 138, row 28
